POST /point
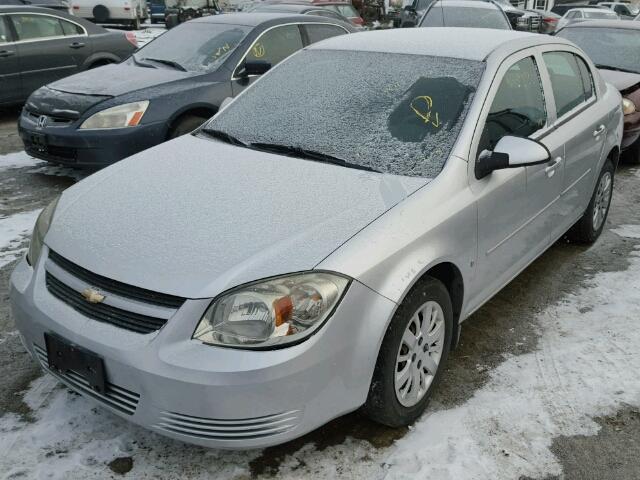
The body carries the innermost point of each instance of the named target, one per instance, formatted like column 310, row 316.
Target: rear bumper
column 70, row 146
column 212, row 396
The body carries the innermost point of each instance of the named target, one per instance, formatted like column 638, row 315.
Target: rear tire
column 135, row 24
column 590, row 226
column 413, row 337
column 101, row 14
column 186, row 124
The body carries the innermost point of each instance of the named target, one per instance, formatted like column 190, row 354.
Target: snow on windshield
column 397, row 114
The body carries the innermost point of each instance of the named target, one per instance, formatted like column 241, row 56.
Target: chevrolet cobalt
column 314, row 248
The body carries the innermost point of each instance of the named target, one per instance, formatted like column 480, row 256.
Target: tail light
column 126, row 9
column 550, row 20
column 76, row 7
column 357, row 20
column 131, row 37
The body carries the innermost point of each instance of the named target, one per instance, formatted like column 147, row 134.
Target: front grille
column 51, row 153
column 102, row 312
column 118, row 398
column 121, row 289
column 52, row 120
column 216, row 429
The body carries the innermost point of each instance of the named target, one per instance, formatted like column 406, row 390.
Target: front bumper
column 212, row 396
column 67, row 145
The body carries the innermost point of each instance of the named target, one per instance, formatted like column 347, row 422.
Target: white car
column 625, row 10
column 127, row 12
column 582, row 14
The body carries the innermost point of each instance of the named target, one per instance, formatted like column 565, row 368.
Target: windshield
column 398, row 114
column 600, row 15
column 614, row 47
column 440, row 16
column 193, row 46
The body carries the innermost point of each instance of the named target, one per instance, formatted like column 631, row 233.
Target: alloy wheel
column 419, row 354
column 602, row 200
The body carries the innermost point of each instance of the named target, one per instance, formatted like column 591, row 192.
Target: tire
column 589, row 227
column 171, row 21
column 383, row 404
column 154, row 21
column 631, row 156
column 186, row 124
column 101, row 14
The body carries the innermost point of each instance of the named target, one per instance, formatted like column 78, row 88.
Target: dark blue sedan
column 166, row 89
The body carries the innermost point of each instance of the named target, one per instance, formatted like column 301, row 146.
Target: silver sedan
column 315, row 247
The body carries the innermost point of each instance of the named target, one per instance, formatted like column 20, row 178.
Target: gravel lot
column 544, row 383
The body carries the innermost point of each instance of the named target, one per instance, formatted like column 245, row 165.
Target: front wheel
column 412, row 356
column 590, row 226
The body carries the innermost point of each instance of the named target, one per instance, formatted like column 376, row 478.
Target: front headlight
column 127, row 115
column 628, row 107
column 273, row 312
column 40, row 230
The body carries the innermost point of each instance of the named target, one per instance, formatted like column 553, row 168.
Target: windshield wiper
column 170, row 63
column 141, row 64
column 309, row 155
column 224, row 136
column 616, row 69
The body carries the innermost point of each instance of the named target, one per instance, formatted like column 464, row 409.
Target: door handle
column 599, row 131
column 77, row 45
column 550, row 170
column 7, row 53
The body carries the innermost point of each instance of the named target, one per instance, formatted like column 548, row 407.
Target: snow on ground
column 18, row 160
column 14, row 231
column 586, row 365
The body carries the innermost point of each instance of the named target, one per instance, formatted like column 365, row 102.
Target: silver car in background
column 315, row 247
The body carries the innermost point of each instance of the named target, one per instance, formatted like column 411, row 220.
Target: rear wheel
column 590, row 226
column 412, row 355
column 186, row 124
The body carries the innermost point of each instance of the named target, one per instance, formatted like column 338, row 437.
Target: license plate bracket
column 63, row 357
column 39, row 141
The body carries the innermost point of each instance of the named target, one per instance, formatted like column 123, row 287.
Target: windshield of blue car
column 392, row 113
column 471, row 17
column 193, row 47
column 616, row 48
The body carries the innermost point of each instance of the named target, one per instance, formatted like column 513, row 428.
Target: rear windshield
column 193, row 46
column 607, row 47
column 597, row 15
column 344, row 10
column 439, row 16
column 398, row 114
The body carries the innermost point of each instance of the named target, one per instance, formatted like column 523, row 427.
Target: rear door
column 272, row 46
column 10, row 89
column 49, row 48
column 582, row 124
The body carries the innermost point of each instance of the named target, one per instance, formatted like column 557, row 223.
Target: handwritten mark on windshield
column 258, row 50
column 425, row 113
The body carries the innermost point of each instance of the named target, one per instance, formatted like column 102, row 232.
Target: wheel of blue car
column 590, row 226
column 412, row 355
column 101, row 13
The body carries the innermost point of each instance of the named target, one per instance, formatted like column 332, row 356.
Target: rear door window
column 4, row 31
column 275, row 45
column 34, row 27
column 587, row 78
column 71, row 29
column 322, row 32
column 566, row 81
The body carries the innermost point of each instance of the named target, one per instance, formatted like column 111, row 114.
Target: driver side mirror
column 511, row 152
column 255, row 67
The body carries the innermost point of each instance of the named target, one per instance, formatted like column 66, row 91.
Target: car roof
column 464, row 43
column 253, row 19
column 621, row 24
column 286, row 7
column 467, row 3
column 89, row 26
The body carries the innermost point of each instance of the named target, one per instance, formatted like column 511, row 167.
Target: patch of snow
column 18, row 160
column 584, row 367
column 14, row 230
column 628, row 231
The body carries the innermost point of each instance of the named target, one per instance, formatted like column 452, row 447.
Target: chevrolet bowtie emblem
column 92, row 296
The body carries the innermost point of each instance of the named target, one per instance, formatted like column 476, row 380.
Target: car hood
column 117, row 79
column 194, row 217
column 621, row 80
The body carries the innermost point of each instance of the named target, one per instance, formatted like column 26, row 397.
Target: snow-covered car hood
column 194, row 217
column 620, row 80
column 117, row 79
